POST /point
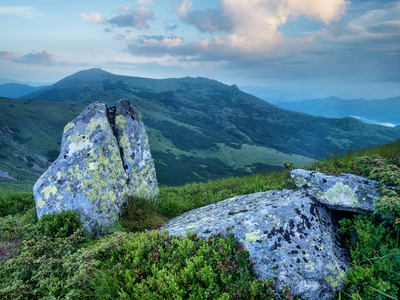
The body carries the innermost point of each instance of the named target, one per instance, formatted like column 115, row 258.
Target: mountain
column 198, row 128
column 385, row 112
column 16, row 90
column 30, row 138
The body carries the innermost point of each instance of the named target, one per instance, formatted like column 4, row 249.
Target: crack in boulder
column 111, row 113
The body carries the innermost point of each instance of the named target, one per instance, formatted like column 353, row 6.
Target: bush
column 13, row 203
column 375, row 259
column 60, row 225
column 153, row 265
column 37, row 271
column 142, row 214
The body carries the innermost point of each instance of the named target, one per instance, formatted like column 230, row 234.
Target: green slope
column 30, row 137
column 200, row 128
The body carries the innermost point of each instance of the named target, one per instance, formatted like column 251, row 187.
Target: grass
column 133, row 261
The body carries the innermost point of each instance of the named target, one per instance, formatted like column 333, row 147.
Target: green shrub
column 60, row 224
column 13, row 203
column 37, row 272
column 375, row 259
column 386, row 172
column 153, row 265
column 142, row 214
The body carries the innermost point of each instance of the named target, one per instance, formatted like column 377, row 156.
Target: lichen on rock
column 347, row 192
column 105, row 157
column 284, row 228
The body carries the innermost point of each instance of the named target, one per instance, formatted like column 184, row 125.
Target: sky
column 281, row 49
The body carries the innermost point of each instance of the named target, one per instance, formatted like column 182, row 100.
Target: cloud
column 92, row 17
column 183, row 9
column 20, row 11
column 209, row 20
column 171, row 27
column 145, row 2
column 7, row 55
column 45, row 58
column 244, row 30
column 376, row 24
column 236, row 30
column 137, row 18
column 157, row 46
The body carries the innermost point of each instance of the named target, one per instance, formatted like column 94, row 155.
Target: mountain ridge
column 200, row 128
column 16, row 90
column 334, row 107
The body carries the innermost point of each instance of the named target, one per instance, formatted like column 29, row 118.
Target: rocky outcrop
column 105, row 157
column 279, row 228
column 291, row 235
column 347, row 192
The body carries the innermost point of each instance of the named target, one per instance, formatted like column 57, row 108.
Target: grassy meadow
column 54, row 259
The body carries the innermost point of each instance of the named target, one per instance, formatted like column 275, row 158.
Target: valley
column 198, row 128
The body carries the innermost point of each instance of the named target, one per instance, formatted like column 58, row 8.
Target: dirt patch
column 9, row 248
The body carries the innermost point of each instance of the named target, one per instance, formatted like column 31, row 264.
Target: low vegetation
column 54, row 259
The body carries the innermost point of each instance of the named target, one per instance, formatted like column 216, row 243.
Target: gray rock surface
column 284, row 228
column 105, row 157
column 347, row 192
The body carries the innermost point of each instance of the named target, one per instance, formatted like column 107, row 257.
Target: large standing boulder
column 284, row 228
column 347, row 192
column 105, row 157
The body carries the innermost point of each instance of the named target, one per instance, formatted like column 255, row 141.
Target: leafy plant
column 155, row 265
column 142, row 214
column 375, row 259
column 61, row 224
column 12, row 203
column 37, row 271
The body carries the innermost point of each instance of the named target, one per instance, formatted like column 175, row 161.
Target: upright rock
column 105, row 157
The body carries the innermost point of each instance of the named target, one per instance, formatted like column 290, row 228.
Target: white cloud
column 20, row 11
column 92, row 17
column 243, row 30
column 45, row 58
column 183, row 8
column 209, row 20
column 171, row 42
column 256, row 23
column 145, row 2
column 376, row 24
column 137, row 18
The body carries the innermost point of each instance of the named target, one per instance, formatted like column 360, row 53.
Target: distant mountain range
column 198, row 128
column 384, row 112
column 16, row 90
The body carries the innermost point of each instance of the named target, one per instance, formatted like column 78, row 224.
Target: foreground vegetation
column 53, row 259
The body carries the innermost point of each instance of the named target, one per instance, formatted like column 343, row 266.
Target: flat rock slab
column 347, row 192
column 284, row 228
column 105, row 157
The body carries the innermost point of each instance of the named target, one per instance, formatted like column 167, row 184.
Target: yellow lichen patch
column 251, row 237
column 340, row 193
column 40, row 203
column 299, row 181
column 49, row 190
column 339, row 279
column 68, row 126
column 120, row 121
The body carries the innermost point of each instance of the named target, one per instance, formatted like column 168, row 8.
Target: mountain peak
column 90, row 73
